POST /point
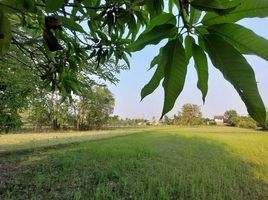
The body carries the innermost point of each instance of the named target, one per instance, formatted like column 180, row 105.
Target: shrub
column 245, row 122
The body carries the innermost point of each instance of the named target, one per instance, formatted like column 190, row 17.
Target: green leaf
column 160, row 27
column 153, row 83
column 142, row 18
column 154, row 36
column 170, row 6
column 204, row 4
column 213, row 5
column 245, row 40
column 238, row 72
column 155, row 61
column 5, row 34
column 155, row 7
column 246, row 9
column 26, row 5
column 188, row 47
column 201, row 66
column 125, row 58
column 201, row 42
column 194, row 15
column 132, row 25
column 175, row 73
column 158, row 75
column 53, row 5
column 71, row 24
column 164, row 18
column 18, row 5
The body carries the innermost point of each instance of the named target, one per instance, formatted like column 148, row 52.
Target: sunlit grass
column 10, row 142
column 154, row 163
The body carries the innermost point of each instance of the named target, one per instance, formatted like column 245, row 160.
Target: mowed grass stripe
column 22, row 141
column 158, row 163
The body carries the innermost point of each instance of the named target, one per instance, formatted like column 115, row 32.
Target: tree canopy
column 189, row 115
column 230, row 117
column 68, row 38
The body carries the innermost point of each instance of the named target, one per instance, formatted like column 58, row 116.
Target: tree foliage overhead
column 64, row 36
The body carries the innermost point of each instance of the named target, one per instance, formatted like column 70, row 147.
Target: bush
column 9, row 122
column 245, row 122
column 211, row 123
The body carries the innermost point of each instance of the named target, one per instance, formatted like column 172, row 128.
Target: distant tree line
column 191, row 115
column 116, row 121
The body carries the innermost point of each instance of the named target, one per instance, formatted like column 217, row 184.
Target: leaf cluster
column 206, row 30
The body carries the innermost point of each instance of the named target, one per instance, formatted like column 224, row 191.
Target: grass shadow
column 57, row 142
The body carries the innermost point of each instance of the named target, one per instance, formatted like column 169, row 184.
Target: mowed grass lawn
column 153, row 163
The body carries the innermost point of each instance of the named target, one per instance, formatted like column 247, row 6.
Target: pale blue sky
column 221, row 95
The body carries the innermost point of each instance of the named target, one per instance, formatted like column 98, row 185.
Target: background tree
column 15, row 91
column 191, row 29
column 230, row 117
column 94, row 108
column 166, row 120
column 49, row 109
column 190, row 115
column 40, row 111
column 90, row 110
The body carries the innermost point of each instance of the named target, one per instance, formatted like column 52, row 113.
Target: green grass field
column 153, row 163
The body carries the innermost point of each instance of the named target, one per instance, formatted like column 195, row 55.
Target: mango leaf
column 5, row 34
column 194, row 15
column 155, row 7
column 155, row 61
column 161, row 27
column 71, row 24
column 125, row 58
column 246, row 9
column 53, row 5
column 188, row 47
column 174, row 73
column 141, row 17
column 132, row 25
column 25, row 5
column 176, row 3
column 18, row 5
column 245, row 40
column 164, row 18
column 238, row 72
column 153, row 83
column 154, row 36
column 170, row 6
column 214, row 6
column 158, row 75
column 201, row 66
